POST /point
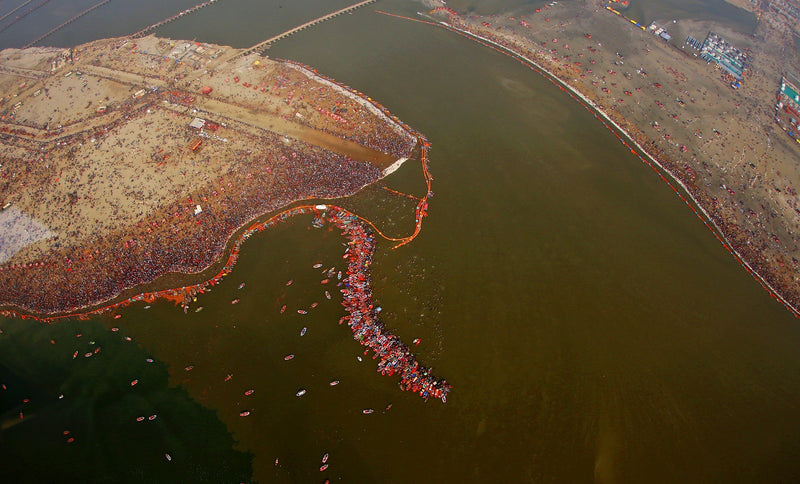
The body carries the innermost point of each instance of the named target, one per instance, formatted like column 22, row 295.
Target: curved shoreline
column 648, row 158
column 184, row 294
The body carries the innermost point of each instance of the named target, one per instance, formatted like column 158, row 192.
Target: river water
column 591, row 326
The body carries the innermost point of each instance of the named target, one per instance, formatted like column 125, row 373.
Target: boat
column 324, row 281
column 367, row 411
column 134, row 382
column 303, row 331
column 416, row 341
column 302, row 311
column 314, row 304
column 317, row 265
column 289, row 282
column 235, row 301
column 325, row 458
column 139, row 419
column 334, row 383
column 189, row 368
column 147, row 307
column 358, row 357
column 199, row 308
column 228, row 377
column 323, row 467
column 327, row 294
column 115, row 329
column 117, row 316
column 169, row 457
column 283, row 308
column 244, row 414
column 241, row 285
column 249, row 392
column 300, row 392
column 288, row 357
column 152, row 417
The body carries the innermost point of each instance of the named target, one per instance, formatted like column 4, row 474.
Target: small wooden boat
column 249, row 392
column 334, row 383
column 288, row 357
column 367, row 411
column 323, row 467
column 300, row 392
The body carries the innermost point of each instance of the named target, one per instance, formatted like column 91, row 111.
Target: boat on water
column 327, row 295
column 228, row 377
column 302, row 311
column 147, row 307
column 199, row 308
column 334, row 383
column 152, row 417
column 117, row 316
column 325, row 458
column 139, row 419
column 367, row 411
column 324, row 281
column 289, row 282
column 317, row 265
column 283, row 308
column 244, row 414
column 323, row 467
column 303, row 331
column 169, row 457
column 288, row 357
column 189, row 368
column 249, row 392
column 235, row 301
column 241, row 285
column 134, row 382
column 300, row 392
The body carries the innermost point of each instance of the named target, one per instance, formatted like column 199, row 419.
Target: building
column 718, row 50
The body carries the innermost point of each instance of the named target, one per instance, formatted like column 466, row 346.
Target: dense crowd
column 363, row 315
column 174, row 239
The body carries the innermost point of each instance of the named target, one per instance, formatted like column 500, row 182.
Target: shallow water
column 591, row 326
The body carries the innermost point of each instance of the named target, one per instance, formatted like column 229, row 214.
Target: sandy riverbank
column 99, row 156
column 719, row 143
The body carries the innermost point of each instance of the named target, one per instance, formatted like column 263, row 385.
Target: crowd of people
column 363, row 315
column 174, row 239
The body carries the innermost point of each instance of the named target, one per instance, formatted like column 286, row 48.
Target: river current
column 591, row 326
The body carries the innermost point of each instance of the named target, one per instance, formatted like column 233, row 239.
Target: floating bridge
column 262, row 46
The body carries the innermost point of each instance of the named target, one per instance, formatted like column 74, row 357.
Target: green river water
column 592, row 328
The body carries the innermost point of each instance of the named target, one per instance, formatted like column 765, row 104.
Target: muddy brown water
column 591, row 326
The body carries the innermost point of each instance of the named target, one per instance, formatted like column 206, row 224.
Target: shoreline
column 651, row 160
column 123, row 296
column 706, row 218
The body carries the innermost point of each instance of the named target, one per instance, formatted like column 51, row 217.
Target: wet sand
column 721, row 144
column 98, row 150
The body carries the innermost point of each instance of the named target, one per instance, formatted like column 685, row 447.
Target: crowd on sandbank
column 363, row 315
column 174, row 239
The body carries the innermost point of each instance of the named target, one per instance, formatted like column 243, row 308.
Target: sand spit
column 142, row 157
